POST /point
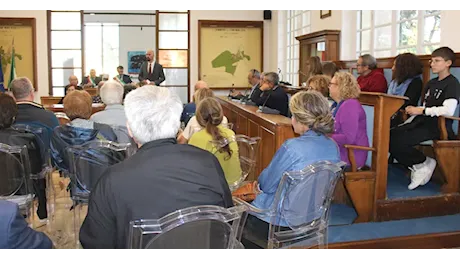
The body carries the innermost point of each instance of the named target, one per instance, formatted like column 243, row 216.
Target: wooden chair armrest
column 351, row 155
column 442, row 126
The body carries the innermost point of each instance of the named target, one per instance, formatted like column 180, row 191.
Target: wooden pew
column 273, row 130
column 50, row 100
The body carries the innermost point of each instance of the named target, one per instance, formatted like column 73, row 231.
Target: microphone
column 280, row 74
column 267, row 110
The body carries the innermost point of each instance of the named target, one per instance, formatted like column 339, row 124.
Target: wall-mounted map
column 228, row 51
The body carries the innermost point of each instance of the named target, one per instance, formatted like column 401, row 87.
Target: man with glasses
column 371, row 79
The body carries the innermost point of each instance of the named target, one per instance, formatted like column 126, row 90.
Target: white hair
column 153, row 113
column 112, row 92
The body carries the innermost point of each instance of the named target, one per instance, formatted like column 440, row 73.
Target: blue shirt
column 188, row 112
column 295, row 154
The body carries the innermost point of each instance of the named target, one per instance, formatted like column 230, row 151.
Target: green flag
column 13, row 68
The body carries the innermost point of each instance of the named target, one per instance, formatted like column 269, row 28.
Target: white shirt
column 193, row 127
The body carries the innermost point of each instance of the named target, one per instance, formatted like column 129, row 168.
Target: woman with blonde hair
column 216, row 138
column 313, row 67
column 313, row 121
column 319, row 83
column 350, row 119
column 193, row 126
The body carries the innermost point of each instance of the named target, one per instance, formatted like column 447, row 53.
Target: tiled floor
column 60, row 224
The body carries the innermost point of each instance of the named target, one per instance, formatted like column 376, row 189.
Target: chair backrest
column 248, row 148
column 455, row 123
column 62, row 117
column 302, row 202
column 369, row 111
column 42, row 135
column 15, row 172
column 89, row 161
column 122, row 135
column 200, row 227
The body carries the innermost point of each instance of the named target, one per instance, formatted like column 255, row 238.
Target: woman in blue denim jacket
column 312, row 120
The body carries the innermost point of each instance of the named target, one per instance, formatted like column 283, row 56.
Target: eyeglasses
column 359, row 65
column 331, row 83
column 436, row 60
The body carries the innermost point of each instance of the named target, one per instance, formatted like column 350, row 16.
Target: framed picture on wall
column 227, row 51
column 17, row 46
column 325, row 13
column 135, row 60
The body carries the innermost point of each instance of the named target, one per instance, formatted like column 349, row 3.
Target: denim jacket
column 295, row 154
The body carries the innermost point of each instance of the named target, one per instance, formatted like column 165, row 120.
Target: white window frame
column 395, row 22
column 289, row 60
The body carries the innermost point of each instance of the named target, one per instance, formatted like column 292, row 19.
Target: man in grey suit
column 151, row 71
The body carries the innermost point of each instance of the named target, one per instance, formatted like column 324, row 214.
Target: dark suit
column 86, row 81
column 156, row 76
column 275, row 98
column 126, row 78
column 14, row 231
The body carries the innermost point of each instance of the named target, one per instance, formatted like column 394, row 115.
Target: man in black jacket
column 271, row 95
column 160, row 178
column 121, row 77
column 151, row 72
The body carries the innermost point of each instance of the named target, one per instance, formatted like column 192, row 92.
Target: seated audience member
column 407, row 71
column 15, row 233
column 181, row 175
column 31, row 113
column 313, row 67
column 97, row 98
column 271, row 95
column 91, row 80
column 329, row 69
column 73, row 81
column 216, row 138
column 312, row 120
column 350, row 118
column 371, row 79
column 193, row 126
column 78, row 107
column 441, row 99
column 14, row 137
column 67, row 90
column 189, row 109
column 112, row 96
column 319, row 83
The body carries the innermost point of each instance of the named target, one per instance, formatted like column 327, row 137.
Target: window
column 296, row 23
column 388, row 33
column 102, row 47
column 65, row 49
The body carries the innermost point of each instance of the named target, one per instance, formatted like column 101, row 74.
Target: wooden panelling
column 269, row 147
column 241, row 125
column 50, row 100
column 446, row 151
column 360, row 186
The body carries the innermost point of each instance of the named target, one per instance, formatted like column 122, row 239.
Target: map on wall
column 227, row 54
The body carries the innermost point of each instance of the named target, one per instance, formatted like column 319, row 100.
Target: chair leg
column 76, row 223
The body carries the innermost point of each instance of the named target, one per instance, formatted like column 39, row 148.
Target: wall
column 450, row 20
column 333, row 22
column 42, row 47
column 132, row 38
column 236, row 15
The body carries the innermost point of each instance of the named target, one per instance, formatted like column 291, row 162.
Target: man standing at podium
column 151, row 71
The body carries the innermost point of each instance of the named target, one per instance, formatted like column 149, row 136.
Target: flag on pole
column 2, row 87
column 13, row 67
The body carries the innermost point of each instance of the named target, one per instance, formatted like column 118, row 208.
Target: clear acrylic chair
column 248, row 148
column 299, row 214
column 200, row 227
column 42, row 137
column 87, row 163
column 15, row 178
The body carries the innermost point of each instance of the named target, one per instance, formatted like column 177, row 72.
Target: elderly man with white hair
column 112, row 96
column 160, row 178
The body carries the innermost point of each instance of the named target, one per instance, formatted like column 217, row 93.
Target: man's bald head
column 201, row 84
column 149, row 55
column 73, row 81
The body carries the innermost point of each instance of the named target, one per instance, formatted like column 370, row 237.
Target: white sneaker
column 421, row 173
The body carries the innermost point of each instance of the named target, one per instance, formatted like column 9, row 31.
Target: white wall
column 450, row 20
column 236, row 15
column 42, row 47
column 131, row 38
column 333, row 22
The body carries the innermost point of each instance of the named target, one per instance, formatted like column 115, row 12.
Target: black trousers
column 403, row 140
column 40, row 192
column 255, row 233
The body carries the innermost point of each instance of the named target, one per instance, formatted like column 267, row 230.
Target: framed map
column 18, row 34
column 227, row 51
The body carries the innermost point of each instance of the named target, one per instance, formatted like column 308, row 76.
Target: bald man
column 151, row 72
column 200, row 84
column 189, row 109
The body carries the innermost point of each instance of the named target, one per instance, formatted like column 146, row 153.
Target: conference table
column 272, row 129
